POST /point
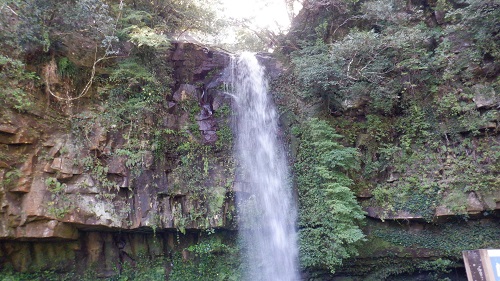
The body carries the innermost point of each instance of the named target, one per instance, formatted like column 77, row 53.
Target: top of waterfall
column 272, row 67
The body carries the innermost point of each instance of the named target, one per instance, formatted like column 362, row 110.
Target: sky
column 270, row 14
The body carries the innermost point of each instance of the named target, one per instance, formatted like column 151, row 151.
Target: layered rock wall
column 75, row 186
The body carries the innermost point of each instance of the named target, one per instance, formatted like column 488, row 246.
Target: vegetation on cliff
column 414, row 87
column 329, row 215
column 420, row 69
column 120, row 132
column 393, row 101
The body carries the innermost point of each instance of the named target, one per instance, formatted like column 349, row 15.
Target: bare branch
column 94, row 66
column 345, row 22
column 5, row 5
column 89, row 83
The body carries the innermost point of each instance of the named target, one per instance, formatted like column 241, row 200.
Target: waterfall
column 266, row 211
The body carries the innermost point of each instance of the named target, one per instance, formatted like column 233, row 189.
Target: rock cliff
column 79, row 188
column 396, row 80
column 135, row 172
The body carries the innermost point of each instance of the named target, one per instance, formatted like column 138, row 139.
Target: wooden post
column 482, row 265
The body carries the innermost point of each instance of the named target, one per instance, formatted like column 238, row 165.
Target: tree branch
column 5, row 5
column 94, row 66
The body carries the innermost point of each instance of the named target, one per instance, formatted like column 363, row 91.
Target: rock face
column 64, row 180
column 105, row 251
column 425, row 192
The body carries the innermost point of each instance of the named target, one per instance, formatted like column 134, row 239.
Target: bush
column 213, row 260
column 12, row 77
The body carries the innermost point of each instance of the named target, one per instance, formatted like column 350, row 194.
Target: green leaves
column 12, row 77
column 360, row 66
column 145, row 36
column 329, row 214
column 211, row 259
column 131, row 72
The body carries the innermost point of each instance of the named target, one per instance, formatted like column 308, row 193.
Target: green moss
column 396, row 269
column 439, row 175
column 375, row 246
column 448, row 239
column 205, row 174
column 144, row 269
column 394, row 249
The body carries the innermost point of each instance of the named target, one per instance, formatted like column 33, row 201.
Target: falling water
column 266, row 210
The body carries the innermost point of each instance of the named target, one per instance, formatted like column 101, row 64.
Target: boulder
column 185, row 92
column 474, row 205
column 485, row 97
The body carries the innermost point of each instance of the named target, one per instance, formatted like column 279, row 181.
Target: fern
column 329, row 213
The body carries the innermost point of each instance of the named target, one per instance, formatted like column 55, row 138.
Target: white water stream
column 266, row 210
